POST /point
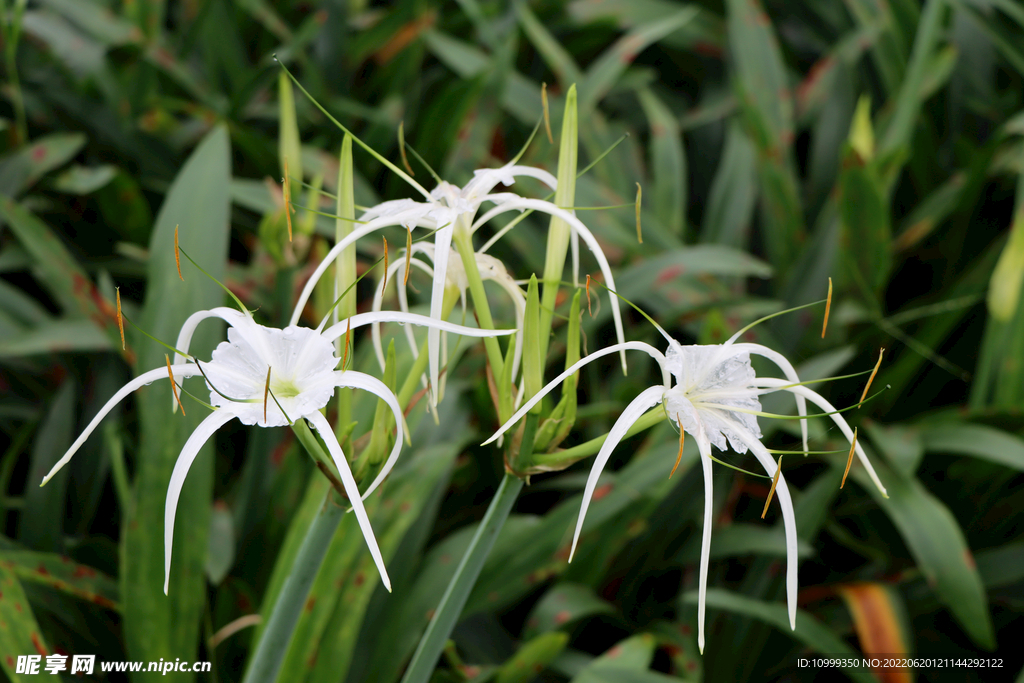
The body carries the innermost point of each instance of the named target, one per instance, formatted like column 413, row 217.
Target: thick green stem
column 571, row 455
column 454, row 599
column 273, row 644
column 447, row 614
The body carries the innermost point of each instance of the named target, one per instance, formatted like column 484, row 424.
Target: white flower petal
column 534, row 400
column 297, row 359
column 788, row 517
column 359, row 380
column 228, row 315
column 485, row 179
column 704, row 446
column 360, row 319
column 647, row 399
column 844, row 427
column 183, row 370
column 396, row 269
column 716, row 380
column 189, row 451
column 414, row 216
column 588, row 237
column 787, row 369
column 321, row 424
column 442, row 251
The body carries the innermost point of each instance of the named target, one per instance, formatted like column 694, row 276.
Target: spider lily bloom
column 450, row 212
column 714, row 398
column 489, row 267
column 270, row 377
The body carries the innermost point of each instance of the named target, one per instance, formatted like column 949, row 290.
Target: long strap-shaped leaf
column 274, row 639
column 447, row 614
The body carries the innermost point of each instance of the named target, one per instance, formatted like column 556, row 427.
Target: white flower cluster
column 270, row 377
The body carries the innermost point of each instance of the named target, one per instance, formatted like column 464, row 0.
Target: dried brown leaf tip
column 679, row 456
column 872, row 377
column 401, row 148
column 287, row 189
column 177, row 254
column 849, row 459
column 174, row 385
column 547, row 112
column 639, row 235
column 408, row 255
column 771, row 491
column 348, row 336
column 120, row 320
column 588, row 296
column 828, row 307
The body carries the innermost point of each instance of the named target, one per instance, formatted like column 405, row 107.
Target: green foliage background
column 877, row 143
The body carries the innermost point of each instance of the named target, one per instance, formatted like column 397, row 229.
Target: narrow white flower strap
column 626, row 346
column 200, row 436
column 787, row 369
column 412, row 215
column 704, row 446
column 228, row 315
column 321, row 425
column 821, row 402
column 397, row 268
column 647, row 399
column 142, row 380
column 359, row 380
column 588, row 237
column 442, row 250
column 232, row 317
column 788, row 515
column 360, row 319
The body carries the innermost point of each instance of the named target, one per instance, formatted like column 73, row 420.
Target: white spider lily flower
column 270, row 377
column 710, row 392
column 489, row 267
column 450, row 209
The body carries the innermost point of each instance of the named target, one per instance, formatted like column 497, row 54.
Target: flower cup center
column 284, row 387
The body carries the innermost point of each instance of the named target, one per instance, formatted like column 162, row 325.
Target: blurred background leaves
column 879, row 144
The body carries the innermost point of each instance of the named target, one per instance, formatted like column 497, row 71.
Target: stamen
column 771, row 491
column 849, row 460
column 639, row 235
column 401, row 147
column 174, row 386
column 287, row 185
column 266, row 392
column 120, row 321
column 177, row 256
column 423, row 161
column 348, row 334
column 385, row 285
column 220, row 284
column 828, row 307
column 872, row 377
column 679, row 457
column 281, row 408
column 408, row 256
column 588, row 296
column 547, row 112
